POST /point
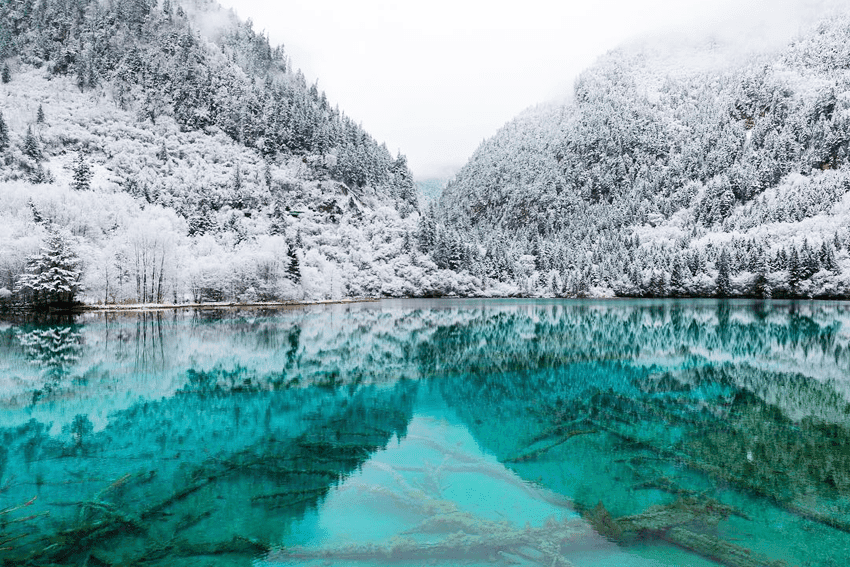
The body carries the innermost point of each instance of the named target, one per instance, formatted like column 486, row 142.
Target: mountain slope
column 183, row 158
column 659, row 178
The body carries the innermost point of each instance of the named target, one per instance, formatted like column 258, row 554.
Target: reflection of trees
column 56, row 349
column 149, row 343
column 711, row 436
column 192, row 477
column 554, row 335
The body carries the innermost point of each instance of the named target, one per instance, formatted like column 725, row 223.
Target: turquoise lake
column 430, row 432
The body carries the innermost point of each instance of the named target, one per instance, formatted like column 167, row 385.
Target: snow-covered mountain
column 666, row 175
column 182, row 158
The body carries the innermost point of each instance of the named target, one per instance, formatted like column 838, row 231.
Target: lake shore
column 149, row 307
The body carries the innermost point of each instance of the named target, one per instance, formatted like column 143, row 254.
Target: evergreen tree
column 427, row 238
column 657, row 287
column 81, row 180
column 809, row 261
column 201, row 222
column 5, row 74
column 407, row 244
column 795, row 270
column 31, row 147
column 294, row 268
column 52, row 276
column 267, row 175
column 4, row 134
column 36, row 216
column 724, row 283
column 762, row 286
column 677, row 278
column 39, row 117
column 404, row 189
column 829, row 262
column 454, row 252
column 162, row 153
column 237, row 178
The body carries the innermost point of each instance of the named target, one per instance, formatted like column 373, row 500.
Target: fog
column 433, row 79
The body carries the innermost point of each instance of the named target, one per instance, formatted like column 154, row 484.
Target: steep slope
column 660, row 178
column 181, row 157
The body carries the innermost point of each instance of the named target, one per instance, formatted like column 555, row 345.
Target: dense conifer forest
column 667, row 175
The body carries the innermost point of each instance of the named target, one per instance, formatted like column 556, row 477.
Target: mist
column 434, row 79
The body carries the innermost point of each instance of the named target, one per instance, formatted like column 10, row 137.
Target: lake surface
column 492, row 432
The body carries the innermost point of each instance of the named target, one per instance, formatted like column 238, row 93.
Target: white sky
column 434, row 78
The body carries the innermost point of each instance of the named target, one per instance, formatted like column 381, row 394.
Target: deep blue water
column 492, row 432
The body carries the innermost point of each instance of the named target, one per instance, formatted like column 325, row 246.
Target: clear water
column 620, row 433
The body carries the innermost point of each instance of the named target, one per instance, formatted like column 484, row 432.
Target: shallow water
column 522, row 432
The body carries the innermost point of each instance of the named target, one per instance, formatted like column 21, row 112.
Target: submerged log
column 11, row 509
column 672, row 523
column 601, row 521
column 484, row 541
column 664, row 484
column 742, row 483
column 716, row 549
column 683, row 511
column 534, row 454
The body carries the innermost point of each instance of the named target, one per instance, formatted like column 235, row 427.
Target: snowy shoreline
column 147, row 307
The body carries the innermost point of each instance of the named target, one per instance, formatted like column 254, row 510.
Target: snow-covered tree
column 52, row 276
column 4, row 133
column 82, row 177
column 31, row 146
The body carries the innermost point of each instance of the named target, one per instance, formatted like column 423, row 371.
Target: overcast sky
column 434, row 78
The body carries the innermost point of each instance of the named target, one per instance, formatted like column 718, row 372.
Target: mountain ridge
column 644, row 174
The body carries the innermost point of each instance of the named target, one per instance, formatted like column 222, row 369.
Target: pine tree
column 162, row 153
column 4, row 134
column 829, row 261
column 5, row 74
column 31, row 147
column 53, row 276
column 762, row 286
column 39, row 117
column 795, row 270
column 294, row 268
column 237, row 178
column 82, row 174
column 36, row 216
column 809, row 261
column 657, row 281
column 407, row 243
column 677, row 278
column 201, row 221
column 267, row 175
column 427, row 238
column 724, row 283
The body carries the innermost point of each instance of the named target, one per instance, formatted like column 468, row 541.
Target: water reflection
column 54, row 349
column 631, row 433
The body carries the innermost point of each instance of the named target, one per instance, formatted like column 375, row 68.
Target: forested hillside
column 159, row 152
column 664, row 178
